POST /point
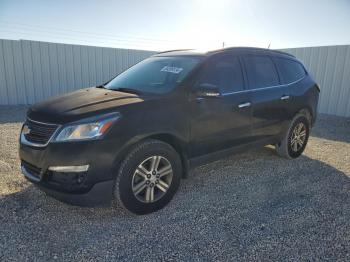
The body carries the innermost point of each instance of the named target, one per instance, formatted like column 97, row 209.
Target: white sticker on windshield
column 171, row 69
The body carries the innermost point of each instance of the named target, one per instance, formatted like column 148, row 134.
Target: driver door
column 223, row 121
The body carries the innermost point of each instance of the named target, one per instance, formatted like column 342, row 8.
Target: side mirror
column 206, row 90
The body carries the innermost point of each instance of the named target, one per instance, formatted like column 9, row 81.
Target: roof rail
column 281, row 52
column 253, row 48
column 188, row 49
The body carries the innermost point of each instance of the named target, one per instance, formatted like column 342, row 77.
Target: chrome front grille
column 37, row 133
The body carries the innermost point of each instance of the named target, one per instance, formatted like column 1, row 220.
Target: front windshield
column 157, row 75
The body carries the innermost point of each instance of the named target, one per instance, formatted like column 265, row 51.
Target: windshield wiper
column 121, row 89
column 127, row 90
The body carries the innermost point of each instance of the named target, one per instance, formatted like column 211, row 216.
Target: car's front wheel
column 148, row 177
column 295, row 139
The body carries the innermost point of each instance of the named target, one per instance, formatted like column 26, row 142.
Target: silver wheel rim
column 152, row 179
column 298, row 137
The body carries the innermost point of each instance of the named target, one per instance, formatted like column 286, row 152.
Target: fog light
column 67, row 169
column 80, row 178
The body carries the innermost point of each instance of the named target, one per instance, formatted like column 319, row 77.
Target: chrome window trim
column 24, row 141
column 262, row 88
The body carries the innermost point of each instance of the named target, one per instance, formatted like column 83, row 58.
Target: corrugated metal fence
column 31, row 71
column 330, row 66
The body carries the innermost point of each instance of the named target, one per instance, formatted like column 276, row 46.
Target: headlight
column 85, row 131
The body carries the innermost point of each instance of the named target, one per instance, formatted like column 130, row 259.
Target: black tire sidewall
column 129, row 201
column 304, row 120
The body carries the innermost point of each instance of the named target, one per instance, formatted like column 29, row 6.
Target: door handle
column 244, row 105
column 285, row 97
column 199, row 99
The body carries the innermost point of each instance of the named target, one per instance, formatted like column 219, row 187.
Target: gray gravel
column 251, row 206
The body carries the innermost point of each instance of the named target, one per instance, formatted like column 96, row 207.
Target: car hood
column 80, row 104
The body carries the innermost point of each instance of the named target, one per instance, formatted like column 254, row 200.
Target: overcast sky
column 161, row 24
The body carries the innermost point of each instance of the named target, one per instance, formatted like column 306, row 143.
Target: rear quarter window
column 290, row 70
column 261, row 71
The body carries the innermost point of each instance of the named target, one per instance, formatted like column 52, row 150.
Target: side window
column 261, row 71
column 291, row 71
column 224, row 72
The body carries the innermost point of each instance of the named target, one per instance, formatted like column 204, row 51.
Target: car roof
column 231, row 50
column 182, row 52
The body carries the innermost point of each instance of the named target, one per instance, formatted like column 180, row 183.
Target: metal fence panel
column 31, row 71
column 330, row 66
column 3, row 83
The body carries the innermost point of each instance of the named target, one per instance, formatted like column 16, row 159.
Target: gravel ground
column 251, row 206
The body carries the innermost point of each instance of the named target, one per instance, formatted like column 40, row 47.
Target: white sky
column 160, row 25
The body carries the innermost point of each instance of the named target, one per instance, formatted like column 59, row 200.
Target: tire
column 288, row 147
column 146, row 163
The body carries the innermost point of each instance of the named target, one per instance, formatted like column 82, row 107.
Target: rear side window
column 261, row 71
column 224, row 72
column 290, row 71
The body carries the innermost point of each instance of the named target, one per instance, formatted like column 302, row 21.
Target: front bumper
column 99, row 195
column 90, row 187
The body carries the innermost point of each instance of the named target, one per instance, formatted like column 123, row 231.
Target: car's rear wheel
column 295, row 139
column 148, row 177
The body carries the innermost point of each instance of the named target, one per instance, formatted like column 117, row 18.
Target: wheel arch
column 177, row 143
column 179, row 146
column 307, row 111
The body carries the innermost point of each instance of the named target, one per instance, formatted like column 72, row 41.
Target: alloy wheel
column 152, row 179
column 298, row 137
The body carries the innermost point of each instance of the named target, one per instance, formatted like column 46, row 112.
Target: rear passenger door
column 269, row 97
column 292, row 73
